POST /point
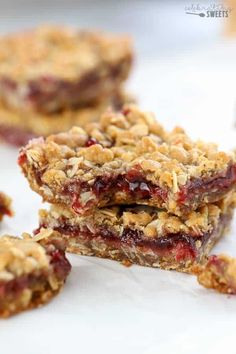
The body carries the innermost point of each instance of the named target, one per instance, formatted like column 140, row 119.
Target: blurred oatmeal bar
column 18, row 127
column 51, row 68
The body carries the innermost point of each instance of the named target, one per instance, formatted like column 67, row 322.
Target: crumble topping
column 20, row 256
column 125, row 140
column 59, row 52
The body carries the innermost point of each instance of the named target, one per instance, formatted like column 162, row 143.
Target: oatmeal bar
column 5, row 205
column 142, row 234
column 17, row 128
column 127, row 158
column 30, row 274
column 219, row 273
column 52, row 68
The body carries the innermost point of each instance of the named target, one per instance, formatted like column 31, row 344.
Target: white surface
column 105, row 307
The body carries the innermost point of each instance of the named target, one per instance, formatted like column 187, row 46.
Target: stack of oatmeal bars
column 124, row 188
column 52, row 78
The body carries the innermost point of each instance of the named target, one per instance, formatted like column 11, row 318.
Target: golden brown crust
column 218, row 273
column 168, row 160
column 5, row 205
column 20, row 256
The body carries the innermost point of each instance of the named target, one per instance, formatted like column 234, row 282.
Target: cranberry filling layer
column 5, row 211
column 14, row 288
column 195, row 190
column 15, row 136
column 50, row 93
column 61, row 268
column 137, row 187
column 179, row 246
column 134, row 184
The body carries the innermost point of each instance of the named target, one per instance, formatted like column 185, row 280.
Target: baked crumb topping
column 59, row 52
column 20, row 256
column 130, row 139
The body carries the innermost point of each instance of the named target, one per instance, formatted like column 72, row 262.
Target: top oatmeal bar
column 127, row 158
column 50, row 67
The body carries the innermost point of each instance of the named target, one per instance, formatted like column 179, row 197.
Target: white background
column 186, row 74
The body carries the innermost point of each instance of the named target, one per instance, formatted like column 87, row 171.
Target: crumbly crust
column 218, row 272
column 126, row 141
column 30, row 274
column 40, row 124
column 5, row 205
column 152, row 222
column 20, row 256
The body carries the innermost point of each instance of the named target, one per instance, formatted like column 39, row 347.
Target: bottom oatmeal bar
column 5, row 205
column 17, row 128
column 30, row 274
column 141, row 234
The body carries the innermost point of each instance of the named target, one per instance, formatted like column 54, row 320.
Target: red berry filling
column 216, row 186
column 5, row 211
column 52, row 94
column 14, row 287
column 134, row 184
column 91, row 141
column 60, row 263
column 61, row 268
column 179, row 246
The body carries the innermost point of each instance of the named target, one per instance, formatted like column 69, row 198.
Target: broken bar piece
column 30, row 274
